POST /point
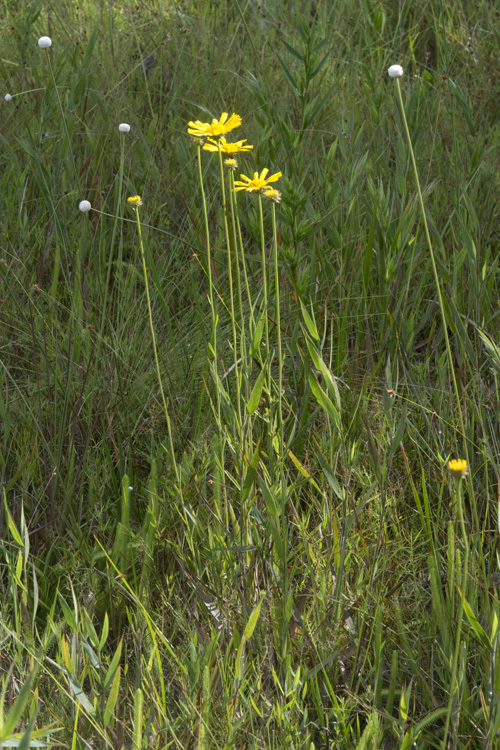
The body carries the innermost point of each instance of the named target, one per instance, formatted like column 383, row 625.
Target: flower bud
column 8, row 97
column 84, row 206
column 44, row 42
column 395, row 71
column 124, row 127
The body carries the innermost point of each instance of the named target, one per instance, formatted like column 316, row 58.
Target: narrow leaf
column 254, row 399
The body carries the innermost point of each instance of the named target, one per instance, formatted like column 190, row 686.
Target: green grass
column 274, row 554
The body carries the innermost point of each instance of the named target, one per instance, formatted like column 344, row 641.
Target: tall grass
column 227, row 519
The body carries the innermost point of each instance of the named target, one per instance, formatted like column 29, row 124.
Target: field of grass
column 229, row 521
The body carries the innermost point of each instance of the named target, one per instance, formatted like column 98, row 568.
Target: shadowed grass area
column 227, row 518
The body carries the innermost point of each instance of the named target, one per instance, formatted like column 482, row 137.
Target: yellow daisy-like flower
column 134, row 200
column 258, row 183
column 458, row 467
column 216, row 128
column 225, row 147
column 231, row 164
column 272, row 194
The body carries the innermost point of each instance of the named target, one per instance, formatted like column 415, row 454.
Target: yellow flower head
column 458, row 467
column 216, row 128
column 258, row 183
column 272, row 194
column 134, row 200
column 225, row 147
column 231, row 164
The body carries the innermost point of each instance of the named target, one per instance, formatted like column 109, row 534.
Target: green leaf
column 324, row 401
column 15, row 714
column 473, row 622
column 252, row 621
column 239, row 656
column 331, row 478
column 293, row 51
column 254, row 399
column 113, row 667
column 309, row 321
column 303, row 470
column 289, row 75
column 319, row 66
column 247, row 633
column 12, row 526
column 250, row 475
column 80, row 695
column 105, row 631
column 320, row 365
column 257, row 334
column 113, row 697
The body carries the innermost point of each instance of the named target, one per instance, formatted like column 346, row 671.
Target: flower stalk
column 397, row 74
column 135, row 201
column 459, row 470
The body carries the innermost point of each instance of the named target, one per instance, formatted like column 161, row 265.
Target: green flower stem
column 158, row 373
column 443, row 315
column 242, row 252
column 232, row 206
column 264, row 287
column 213, row 347
column 210, row 289
column 277, row 279
column 207, row 235
column 454, row 667
column 231, row 289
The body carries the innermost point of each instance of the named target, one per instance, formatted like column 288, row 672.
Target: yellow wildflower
column 225, row 147
column 258, row 183
column 231, row 164
column 134, row 200
column 458, row 467
column 216, row 128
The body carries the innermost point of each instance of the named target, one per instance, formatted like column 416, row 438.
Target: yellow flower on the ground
column 216, row 128
column 134, row 200
column 272, row 194
column 225, row 147
column 458, row 467
column 257, row 183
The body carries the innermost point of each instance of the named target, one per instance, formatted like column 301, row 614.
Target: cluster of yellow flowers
column 214, row 132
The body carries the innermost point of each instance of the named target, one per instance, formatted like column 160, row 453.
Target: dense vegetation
column 228, row 519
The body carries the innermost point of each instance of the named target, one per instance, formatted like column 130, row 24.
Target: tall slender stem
column 264, row 280
column 463, row 597
column 210, row 289
column 231, row 290
column 443, row 313
column 157, row 363
column 277, row 281
column 462, row 424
